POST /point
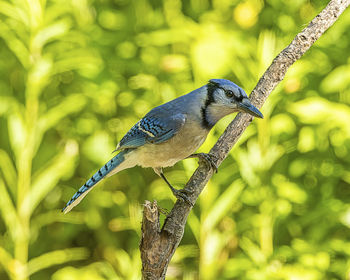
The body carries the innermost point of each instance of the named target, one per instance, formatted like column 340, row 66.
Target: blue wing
column 152, row 129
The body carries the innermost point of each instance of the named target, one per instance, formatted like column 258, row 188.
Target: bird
column 172, row 132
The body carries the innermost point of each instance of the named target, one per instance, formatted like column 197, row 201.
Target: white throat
column 216, row 112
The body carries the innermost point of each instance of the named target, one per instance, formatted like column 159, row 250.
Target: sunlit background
column 76, row 75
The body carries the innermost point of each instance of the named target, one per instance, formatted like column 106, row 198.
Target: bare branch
column 158, row 246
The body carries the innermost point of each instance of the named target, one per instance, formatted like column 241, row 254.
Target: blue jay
column 172, row 132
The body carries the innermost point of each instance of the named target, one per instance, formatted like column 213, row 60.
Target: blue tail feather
column 96, row 178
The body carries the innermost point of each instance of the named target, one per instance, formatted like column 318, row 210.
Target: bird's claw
column 163, row 211
column 208, row 160
column 179, row 194
column 182, row 195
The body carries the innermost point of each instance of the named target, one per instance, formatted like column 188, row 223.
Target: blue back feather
column 151, row 129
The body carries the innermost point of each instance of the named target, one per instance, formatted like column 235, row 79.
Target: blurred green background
column 75, row 75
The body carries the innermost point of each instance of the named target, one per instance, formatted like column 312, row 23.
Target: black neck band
column 210, row 99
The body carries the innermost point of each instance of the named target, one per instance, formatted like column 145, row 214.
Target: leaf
column 195, row 225
column 15, row 45
column 17, row 132
column 210, row 248
column 337, row 80
column 8, row 211
column 55, row 258
column 95, row 271
column 265, row 50
column 14, row 12
column 35, row 10
column 288, row 190
column 49, row 177
column 97, row 147
column 8, row 105
column 71, row 104
column 50, row 33
column 252, row 250
column 87, row 62
column 6, row 260
column 215, row 63
column 223, row 205
column 185, row 251
column 38, row 77
column 8, row 171
column 317, row 110
column 124, row 261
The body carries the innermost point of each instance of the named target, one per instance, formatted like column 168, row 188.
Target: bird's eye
column 229, row 93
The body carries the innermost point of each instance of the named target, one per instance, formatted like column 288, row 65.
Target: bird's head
column 225, row 97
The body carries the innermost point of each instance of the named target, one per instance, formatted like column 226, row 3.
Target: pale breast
column 165, row 154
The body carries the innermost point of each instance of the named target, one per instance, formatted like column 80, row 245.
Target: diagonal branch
column 158, row 245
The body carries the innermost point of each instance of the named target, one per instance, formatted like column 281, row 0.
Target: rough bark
column 158, row 245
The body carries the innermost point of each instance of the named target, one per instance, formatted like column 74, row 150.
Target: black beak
column 247, row 107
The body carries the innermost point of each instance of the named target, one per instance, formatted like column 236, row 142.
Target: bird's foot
column 183, row 195
column 207, row 159
column 163, row 211
column 179, row 194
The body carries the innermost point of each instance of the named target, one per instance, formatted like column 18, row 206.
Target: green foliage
column 76, row 75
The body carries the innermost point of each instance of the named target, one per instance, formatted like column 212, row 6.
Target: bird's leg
column 163, row 211
column 179, row 194
column 206, row 159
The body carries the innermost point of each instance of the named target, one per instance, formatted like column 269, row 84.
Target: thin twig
column 158, row 246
